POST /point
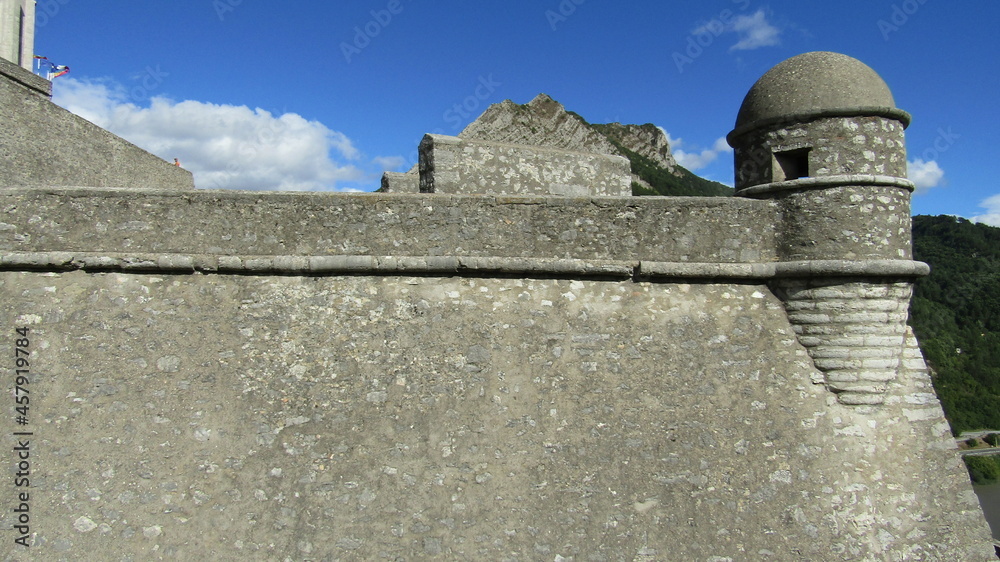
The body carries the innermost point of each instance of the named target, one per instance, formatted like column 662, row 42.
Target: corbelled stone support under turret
column 853, row 328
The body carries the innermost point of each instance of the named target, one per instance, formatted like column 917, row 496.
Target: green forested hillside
column 661, row 181
column 665, row 183
column 955, row 313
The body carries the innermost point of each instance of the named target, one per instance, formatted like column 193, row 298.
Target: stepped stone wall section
column 42, row 144
column 400, row 182
column 458, row 165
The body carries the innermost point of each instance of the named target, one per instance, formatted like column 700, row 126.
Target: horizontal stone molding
column 763, row 271
column 824, row 182
column 314, row 265
column 754, row 271
column 858, row 111
column 848, row 268
column 449, row 265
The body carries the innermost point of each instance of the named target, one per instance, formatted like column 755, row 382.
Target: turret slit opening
column 791, row 164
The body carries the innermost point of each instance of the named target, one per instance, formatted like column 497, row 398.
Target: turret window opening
column 791, row 164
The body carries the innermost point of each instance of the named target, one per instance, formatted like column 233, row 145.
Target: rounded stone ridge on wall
column 816, row 84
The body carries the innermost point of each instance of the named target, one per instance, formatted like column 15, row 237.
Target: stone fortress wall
column 42, row 144
column 319, row 376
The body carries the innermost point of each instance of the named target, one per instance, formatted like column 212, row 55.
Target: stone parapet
column 456, row 165
column 233, row 223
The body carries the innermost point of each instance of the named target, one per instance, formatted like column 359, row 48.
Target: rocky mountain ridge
column 545, row 122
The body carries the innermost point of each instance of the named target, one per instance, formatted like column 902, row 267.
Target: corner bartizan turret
column 820, row 134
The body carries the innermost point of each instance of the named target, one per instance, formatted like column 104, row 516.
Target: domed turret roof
column 813, row 85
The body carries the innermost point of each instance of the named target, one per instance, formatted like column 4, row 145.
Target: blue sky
column 309, row 94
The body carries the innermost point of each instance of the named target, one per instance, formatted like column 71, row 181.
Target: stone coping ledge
column 822, row 182
column 453, row 265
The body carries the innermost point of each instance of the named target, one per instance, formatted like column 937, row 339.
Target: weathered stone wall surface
column 359, row 417
column 837, row 146
column 459, row 165
column 853, row 221
column 232, row 223
column 243, row 375
column 42, row 144
column 400, row 182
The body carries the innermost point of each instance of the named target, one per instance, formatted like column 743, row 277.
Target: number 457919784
column 22, row 369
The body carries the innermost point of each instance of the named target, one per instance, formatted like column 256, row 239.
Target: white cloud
column 754, row 32
column 224, row 146
column 389, row 163
column 697, row 160
column 992, row 215
column 924, row 175
column 722, row 145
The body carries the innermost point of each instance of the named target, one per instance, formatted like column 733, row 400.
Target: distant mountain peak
column 545, row 122
column 542, row 99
